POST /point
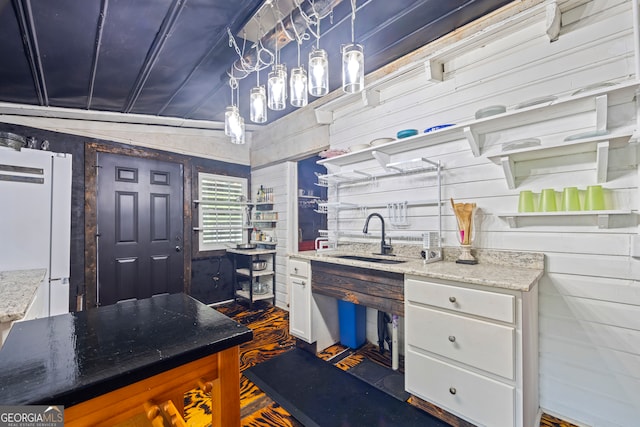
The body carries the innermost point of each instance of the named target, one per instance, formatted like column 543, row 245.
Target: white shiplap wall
column 589, row 296
column 275, row 177
column 590, row 293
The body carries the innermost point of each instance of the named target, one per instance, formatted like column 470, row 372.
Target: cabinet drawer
column 480, row 399
column 299, row 268
column 487, row 304
column 484, row 345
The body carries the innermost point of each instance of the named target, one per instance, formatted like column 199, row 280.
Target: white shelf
column 598, row 144
column 323, row 207
column 439, row 136
column 259, row 273
column 474, row 131
column 260, row 242
column 251, row 252
column 602, row 216
column 390, row 169
column 414, row 165
column 226, row 202
column 256, row 297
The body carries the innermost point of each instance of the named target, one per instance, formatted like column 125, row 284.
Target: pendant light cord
column 353, row 21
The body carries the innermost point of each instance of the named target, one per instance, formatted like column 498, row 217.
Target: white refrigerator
column 35, row 220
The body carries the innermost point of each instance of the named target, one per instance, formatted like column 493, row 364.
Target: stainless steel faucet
column 384, row 248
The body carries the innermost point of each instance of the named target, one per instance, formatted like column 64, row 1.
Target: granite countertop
column 18, row 288
column 518, row 271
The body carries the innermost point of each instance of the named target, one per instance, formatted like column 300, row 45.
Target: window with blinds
column 221, row 210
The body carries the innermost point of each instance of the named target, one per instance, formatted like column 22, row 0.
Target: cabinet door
column 300, row 308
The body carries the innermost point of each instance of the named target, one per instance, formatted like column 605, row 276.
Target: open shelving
column 475, row 131
column 248, row 273
column 389, row 169
column 602, row 216
column 595, row 101
column 599, row 144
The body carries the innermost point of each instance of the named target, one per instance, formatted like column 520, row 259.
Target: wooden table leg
column 225, row 397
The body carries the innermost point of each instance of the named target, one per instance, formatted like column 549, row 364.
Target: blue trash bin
column 353, row 328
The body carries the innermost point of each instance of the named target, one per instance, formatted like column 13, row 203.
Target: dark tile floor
column 270, row 327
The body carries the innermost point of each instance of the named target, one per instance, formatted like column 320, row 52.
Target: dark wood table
column 104, row 365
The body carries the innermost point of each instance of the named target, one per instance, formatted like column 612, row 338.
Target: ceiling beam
column 96, row 51
column 168, row 24
column 30, row 41
column 7, row 108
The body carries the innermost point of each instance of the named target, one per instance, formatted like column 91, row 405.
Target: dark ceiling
column 171, row 57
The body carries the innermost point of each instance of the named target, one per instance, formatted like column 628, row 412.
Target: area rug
column 319, row 394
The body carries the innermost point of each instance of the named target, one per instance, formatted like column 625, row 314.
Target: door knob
column 178, row 248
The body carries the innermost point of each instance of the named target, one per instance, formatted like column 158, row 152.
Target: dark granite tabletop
column 74, row 357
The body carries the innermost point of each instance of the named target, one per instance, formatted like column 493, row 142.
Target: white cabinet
column 312, row 318
column 300, row 300
column 472, row 350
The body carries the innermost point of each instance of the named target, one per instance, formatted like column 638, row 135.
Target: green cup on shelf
column 594, row 199
column 570, row 199
column 547, row 200
column 525, row 202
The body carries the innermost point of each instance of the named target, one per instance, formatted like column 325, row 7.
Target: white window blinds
column 221, row 210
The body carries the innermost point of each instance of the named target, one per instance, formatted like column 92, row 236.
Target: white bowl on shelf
column 380, row 141
column 358, row 147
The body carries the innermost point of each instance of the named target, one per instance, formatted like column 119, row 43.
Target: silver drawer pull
column 452, row 338
column 452, row 390
column 295, row 270
column 301, row 283
column 452, row 299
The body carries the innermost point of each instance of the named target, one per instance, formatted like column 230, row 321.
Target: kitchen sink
column 371, row 259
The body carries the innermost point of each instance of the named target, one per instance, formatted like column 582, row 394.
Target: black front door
column 140, row 228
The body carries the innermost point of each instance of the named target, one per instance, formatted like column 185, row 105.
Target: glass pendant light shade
column 318, row 72
column 352, row 68
column 298, row 87
column 231, row 119
column 277, row 88
column 238, row 132
column 258, row 104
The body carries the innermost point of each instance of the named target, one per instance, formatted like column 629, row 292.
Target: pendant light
column 238, row 131
column 238, row 135
column 277, row 87
column 277, row 84
column 232, row 113
column 233, row 121
column 258, row 95
column 318, row 69
column 353, row 60
column 258, row 102
column 298, row 84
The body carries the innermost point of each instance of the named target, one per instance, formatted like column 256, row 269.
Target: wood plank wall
column 590, row 293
